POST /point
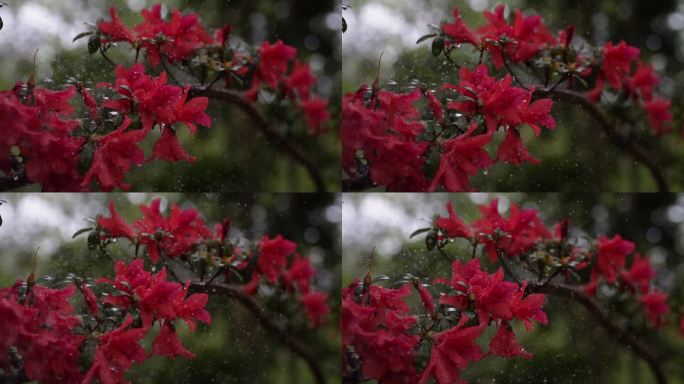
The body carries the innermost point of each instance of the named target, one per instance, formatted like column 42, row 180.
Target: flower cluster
column 396, row 144
column 442, row 142
column 183, row 233
column 456, row 312
column 47, row 141
column 379, row 330
column 272, row 66
column 155, row 300
column 40, row 323
column 40, row 124
column 617, row 66
column 610, row 268
column 49, row 335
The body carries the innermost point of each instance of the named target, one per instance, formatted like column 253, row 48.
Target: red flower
column 426, row 299
column 655, row 305
column 514, row 235
column 115, row 30
column 316, row 113
column 504, row 343
column 172, row 236
column 167, row 344
column 461, row 158
column 114, row 156
column 512, row 150
column 452, row 351
column 640, row 274
column 116, row 353
column 611, row 256
column 528, row 308
column 42, row 333
column 176, row 40
column 489, row 295
column 169, row 148
column 387, row 135
column 376, row 327
column 617, row 62
column 497, row 100
column 51, row 159
column 536, row 113
column 644, row 81
column 156, row 298
column 115, row 225
column 273, row 255
column 152, row 97
column 299, row 275
column 453, row 226
column 89, row 101
column 192, row 308
column 398, row 163
column 517, row 42
column 300, row 81
column 222, row 35
column 273, row 61
column 90, row 299
column 127, row 277
column 190, row 113
column 316, row 307
column 458, row 31
column 658, row 113
column 435, row 106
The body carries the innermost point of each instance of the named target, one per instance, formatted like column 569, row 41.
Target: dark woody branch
column 629, row 340
column 265, row 320
column 618, row 140
column 274, row 137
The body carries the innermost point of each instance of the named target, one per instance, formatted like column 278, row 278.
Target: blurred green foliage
column 573, row 348
column 577, row 156
column 234, row 348
column 233, row 156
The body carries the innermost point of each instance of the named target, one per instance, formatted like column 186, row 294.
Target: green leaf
column 81, row 231
column 82, row 35
column 419, row 231
column 437, row 46
column 425, row 37
column 93, row 44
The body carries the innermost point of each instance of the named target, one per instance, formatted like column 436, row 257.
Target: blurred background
column 575, row 157
column 573, row 348
column 232, row 155
column 233, row 349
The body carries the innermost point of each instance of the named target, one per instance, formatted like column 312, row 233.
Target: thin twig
column 621, row 335
column 515, row 77
column 265, row 320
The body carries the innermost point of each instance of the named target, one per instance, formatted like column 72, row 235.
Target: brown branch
column 621, row 335
column 265, row 320
column 275, row 138
column 609, row 129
